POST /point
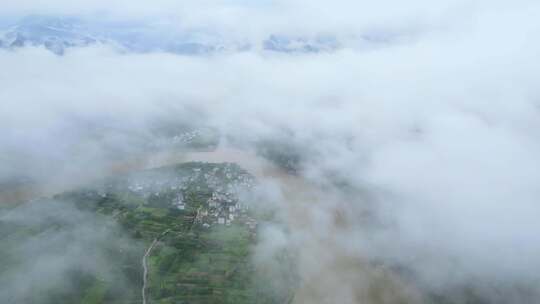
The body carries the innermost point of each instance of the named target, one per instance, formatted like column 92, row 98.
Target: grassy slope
column 191, row 264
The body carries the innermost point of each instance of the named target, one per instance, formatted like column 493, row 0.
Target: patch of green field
column 190, row 264
column 157, row 212
column 207, row 266
column 95, row 294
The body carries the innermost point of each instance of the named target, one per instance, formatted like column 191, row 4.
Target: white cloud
column 443, row 129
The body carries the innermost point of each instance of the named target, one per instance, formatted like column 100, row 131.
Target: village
column 193, row 227
column 221, row 185
column 221, row 209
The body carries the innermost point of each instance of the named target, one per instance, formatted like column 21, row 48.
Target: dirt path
column 145, row 265
column 298, row 195
column 301, row 203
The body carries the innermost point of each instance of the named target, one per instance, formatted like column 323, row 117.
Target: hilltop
column 190, row 220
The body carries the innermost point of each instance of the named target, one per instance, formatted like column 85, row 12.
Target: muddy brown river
column 313, row 216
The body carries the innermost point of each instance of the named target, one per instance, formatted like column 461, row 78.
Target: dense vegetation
column 95, row 239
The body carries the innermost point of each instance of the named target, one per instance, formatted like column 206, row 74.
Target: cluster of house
column 179, row 202
column 224, row 208
column 235, row 180
column 186, row 137
column 145, row 187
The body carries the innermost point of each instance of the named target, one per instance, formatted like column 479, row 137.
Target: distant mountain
column 286, row 44
column 58, row 34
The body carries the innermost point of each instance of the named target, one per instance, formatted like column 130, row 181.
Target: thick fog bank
column 422, row 158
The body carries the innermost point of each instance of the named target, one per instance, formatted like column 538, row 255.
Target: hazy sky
column 442, row 126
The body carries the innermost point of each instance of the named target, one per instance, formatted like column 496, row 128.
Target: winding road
column 145, row 264
column 295, row 196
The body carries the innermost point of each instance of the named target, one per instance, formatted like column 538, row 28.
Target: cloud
column 437, row 136
column 54, row 246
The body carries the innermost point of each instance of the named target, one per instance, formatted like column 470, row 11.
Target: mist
column 418, row 157
column 71, row 247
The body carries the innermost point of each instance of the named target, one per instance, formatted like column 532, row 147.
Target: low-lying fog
column 418, row 161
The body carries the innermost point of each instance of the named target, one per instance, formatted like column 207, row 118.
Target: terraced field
column 90, row 242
